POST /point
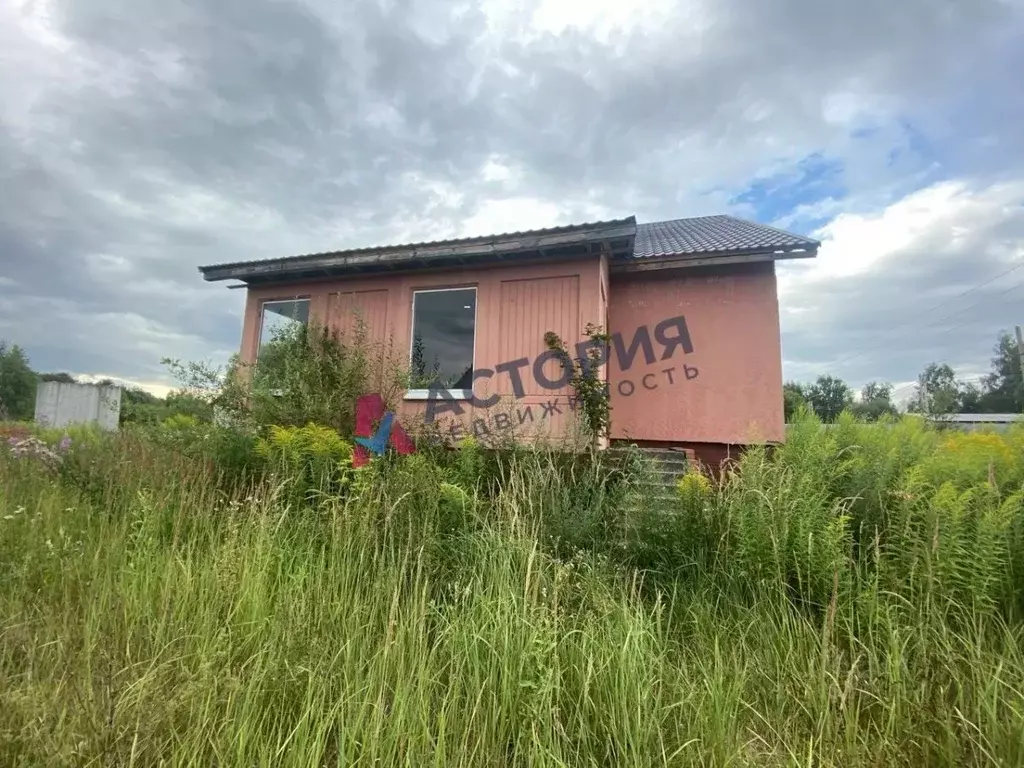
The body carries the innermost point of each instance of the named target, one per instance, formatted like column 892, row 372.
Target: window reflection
column 443, row 336
column 280, row 317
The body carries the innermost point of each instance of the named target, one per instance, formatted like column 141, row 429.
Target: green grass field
column 854, row 600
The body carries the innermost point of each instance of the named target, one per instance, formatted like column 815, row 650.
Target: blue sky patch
column 814, row 178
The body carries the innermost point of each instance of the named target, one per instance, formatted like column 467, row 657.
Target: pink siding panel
column 529, row 309
column 346, row 309
column 557, row 296
column 732, row 316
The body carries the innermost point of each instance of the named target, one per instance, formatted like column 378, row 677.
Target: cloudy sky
column 140, row 140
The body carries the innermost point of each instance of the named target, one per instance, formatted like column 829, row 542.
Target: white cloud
column 948, row 220
column 513, row 215
column 935, row 276
column 160, row 389
column 603, row 19
column 498, row 169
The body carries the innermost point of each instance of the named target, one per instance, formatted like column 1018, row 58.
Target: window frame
column 448, row 394
column 280, row 300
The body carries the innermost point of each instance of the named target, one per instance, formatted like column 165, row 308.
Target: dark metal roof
column 707, row 235
column 614, row 237
column 643, row 246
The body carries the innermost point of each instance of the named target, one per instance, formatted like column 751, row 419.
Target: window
column 443, row 333
column 280, row 317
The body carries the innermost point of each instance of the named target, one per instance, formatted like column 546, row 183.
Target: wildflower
column 65, row 442
column 33, row 447
column 693, row 485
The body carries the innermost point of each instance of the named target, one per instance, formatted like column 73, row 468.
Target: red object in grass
column 15, row 432
column 369, row 412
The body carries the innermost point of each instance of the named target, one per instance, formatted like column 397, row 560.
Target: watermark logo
column 389, row 432
column 661, row 344
column 379, row 442
column 670, row 335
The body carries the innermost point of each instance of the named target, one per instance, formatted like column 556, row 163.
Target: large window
column 443, row 333
column 278, row 318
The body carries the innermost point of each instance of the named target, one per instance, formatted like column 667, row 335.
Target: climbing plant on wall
column 591, row 391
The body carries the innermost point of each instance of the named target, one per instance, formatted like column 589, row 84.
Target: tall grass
column 853, row 599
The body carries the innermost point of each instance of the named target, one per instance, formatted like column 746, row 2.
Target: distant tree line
column 938, row 391
column 18, row 383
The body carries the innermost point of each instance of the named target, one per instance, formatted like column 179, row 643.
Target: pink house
column 694, row 361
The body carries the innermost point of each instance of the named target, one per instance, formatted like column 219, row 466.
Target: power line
column 946, row 362
column 987, row 300
column 979, row 285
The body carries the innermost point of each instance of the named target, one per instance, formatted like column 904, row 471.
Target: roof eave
column 719, row 258
column 613, row 239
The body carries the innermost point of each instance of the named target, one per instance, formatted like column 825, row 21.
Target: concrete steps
column 662, row 469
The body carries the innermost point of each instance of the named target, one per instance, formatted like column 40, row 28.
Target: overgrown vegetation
column 305, row 373
column 854, row 598
column 230, row 590
column 17, row 384
column 590, row 390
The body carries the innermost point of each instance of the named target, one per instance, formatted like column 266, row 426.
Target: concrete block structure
column 61, row 404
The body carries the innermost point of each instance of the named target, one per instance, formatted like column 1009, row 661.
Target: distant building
column 973, row 422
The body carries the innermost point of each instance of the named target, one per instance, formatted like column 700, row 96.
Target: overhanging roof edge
column 423, row 253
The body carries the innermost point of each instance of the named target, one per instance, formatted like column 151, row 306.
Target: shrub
column 305, row 374
column 311, row 458
column 229, row 451
column 966, row 459
column 181, row 421
column 584, row 374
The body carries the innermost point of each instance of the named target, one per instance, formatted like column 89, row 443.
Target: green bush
column 311, row 459
column 227, row 451
column 305, row 374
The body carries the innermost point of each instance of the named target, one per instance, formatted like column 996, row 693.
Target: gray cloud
column 136, row 144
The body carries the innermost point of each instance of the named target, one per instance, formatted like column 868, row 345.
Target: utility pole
column 1020, row 349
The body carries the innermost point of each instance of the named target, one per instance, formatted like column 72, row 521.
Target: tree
column 139, row 396
column 875, row 402
column 937, row 392
column 972, row 399
column 1003, row 389
column 829, row 396
column 17, row 384
column 188, row 404
column 62, row 378
column 142, row 407
column 793, row 397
